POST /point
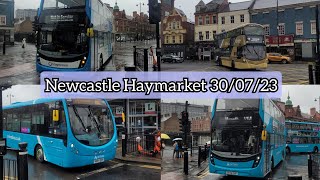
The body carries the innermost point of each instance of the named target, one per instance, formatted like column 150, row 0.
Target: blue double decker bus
column 74, row 35
column 302, row 137
column 247, row 137
column 68, row 133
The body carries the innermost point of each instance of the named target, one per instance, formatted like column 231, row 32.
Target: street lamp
column 317, row 99
column 140, row 4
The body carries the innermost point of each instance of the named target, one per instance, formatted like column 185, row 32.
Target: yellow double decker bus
column 242, row 48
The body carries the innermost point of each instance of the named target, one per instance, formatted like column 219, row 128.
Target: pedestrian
column 162, row 148
column 24, row 43
column 175, row 147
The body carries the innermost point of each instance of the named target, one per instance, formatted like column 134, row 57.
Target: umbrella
column 177, row 139
column 165, row 136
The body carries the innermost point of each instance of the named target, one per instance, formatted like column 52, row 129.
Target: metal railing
column 313, row 166
column 203, row 153
column 10, row 169
column 143, row 145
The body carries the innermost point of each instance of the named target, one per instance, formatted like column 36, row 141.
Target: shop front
column 179, row 50
column 305, row 49
column 286, row 45
column 205, row 50
column 142, row 116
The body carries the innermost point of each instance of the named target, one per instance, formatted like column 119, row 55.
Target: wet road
column 172, row 168
column 296, row 164
column 295, row 73
column 109, row 170
column 18, row 65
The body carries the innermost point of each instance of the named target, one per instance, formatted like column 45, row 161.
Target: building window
column 200, row 36
column 281, row 29
column 214, row 19
column 232, row 19
column 207, row 35
column 267, row 30
column 167, row 39
column 313, row 27
column 207, row 20
column 180, row 38
column 169, row 25
column 299, row 28
column 200, row 20
column 174, row 25
column 242, row 18
column 178, row 25
column 223, row 20
column 214, row 32
column 173, row 39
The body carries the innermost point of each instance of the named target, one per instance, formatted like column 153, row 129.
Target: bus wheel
column 287, row 150
column 39, row 154
column 233, row 66
column 315, row 150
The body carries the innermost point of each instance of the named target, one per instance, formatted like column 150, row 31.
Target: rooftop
column 262, row 4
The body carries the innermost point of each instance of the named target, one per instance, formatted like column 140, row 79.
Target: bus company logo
column 99, row 157
column 248, row 118
column 14, row 138
column 232, row 164
column 229, row 118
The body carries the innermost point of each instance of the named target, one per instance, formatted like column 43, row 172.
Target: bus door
column 267, row 152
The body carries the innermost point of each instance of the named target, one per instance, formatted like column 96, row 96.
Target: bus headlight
column 256, row 161
column 212, row 158
column 83, row 62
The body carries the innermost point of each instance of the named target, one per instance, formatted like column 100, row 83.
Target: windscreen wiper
column 94, row 119
column 256, row 52
column 79, row 118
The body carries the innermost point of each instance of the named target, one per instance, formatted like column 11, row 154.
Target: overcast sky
column 128, row 5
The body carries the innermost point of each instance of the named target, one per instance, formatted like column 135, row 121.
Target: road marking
column 17, row 70
column 204, row 174
column 81, row 176
column 150, row 167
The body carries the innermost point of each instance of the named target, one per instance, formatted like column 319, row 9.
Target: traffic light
column 154, row 12
column 181, row 126
column 185, row 124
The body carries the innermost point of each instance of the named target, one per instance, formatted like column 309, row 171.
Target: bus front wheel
column 315, row 150
column 39, row 154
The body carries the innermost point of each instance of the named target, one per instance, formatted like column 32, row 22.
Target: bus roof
column 295, row 122
column 242, row 26
column 28, row 103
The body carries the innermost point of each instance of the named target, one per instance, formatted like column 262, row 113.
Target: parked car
column 172, row 58
column 277, row 57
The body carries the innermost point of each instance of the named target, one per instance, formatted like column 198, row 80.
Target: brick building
column 6, row 21
column 135, row 27
column 24, row 29
column 178, row 34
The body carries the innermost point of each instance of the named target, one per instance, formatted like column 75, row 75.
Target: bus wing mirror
column 90, row 32
column 55, row 115
column 264, row 135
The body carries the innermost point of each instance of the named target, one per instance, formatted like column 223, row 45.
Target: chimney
column 313, row 111
column 135, row 14
column 141, row 14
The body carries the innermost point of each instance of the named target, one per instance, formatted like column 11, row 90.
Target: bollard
column 294, row 177
column 135, row 56
column 4, row 48
column 145, row 59
column 185, row 167
column 205, row 152
column 309, row 166
column 22, row 161
column 311, row 78
column 123, row 145
column 199, row 156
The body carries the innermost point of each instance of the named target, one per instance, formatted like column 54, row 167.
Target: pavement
column 134, row 157
column 172, row 168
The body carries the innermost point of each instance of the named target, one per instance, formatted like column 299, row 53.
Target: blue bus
column 302, row 137
column 74, row 35
column 247, row 137
column 68, row 133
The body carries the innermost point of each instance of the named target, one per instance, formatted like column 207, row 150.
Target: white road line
column 81, row 176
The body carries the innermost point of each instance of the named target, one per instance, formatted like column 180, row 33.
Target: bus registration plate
column 231, row 173
column 99, row 160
